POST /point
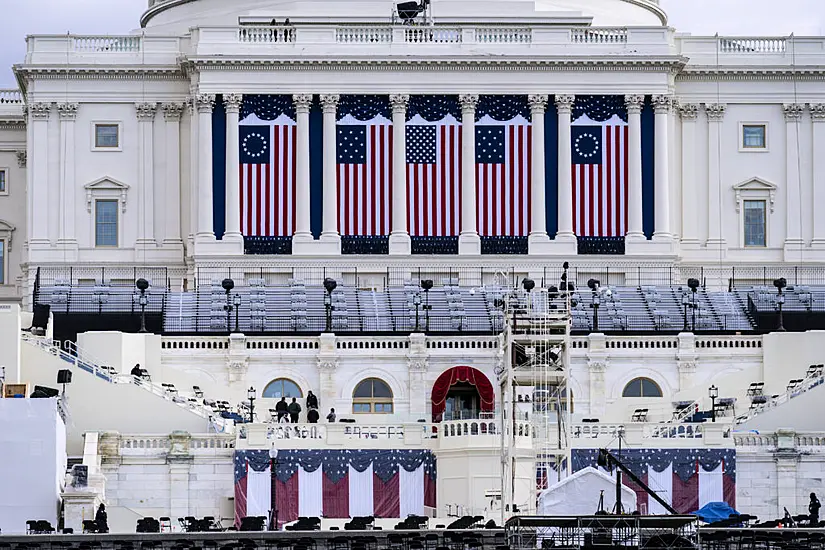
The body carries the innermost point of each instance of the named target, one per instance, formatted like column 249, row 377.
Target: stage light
column 426, row 284
column 330, row 284
column 528, row 284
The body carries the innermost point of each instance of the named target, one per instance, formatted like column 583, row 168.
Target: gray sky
column 751, row 17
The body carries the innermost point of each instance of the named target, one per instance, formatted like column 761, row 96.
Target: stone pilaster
column 329, row 225
column 327, row 361
column 418, row 364
column 180, row 461
column 716, row 114
column 302, row 235
column 690, row 221
column 538, row 215
column 237, row 359
column 400, row 243
column 565, row 234
column 634, row 105
column 469, row 242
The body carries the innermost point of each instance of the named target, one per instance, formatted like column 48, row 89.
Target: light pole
column 228, row 285
column 417, row 304
column 685, row 305
column 594, row 285
column 713, row 392
column 236, row 301
column 250, row 393
column 780, row 284
column 273, row 465
column 329, row 285
column 693, row 284
column 427, row 284
column 142, row 284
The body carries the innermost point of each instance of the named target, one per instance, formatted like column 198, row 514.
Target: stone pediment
column 106, row 188
column 755, row 188
column 7, row 232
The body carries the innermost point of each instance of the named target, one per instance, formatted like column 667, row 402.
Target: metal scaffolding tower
column 535, row 396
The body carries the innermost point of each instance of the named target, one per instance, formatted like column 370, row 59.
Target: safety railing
column 754, row 45
column 270, row 34
column 806, row 384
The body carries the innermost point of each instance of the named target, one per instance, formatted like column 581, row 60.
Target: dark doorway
column 463, row 402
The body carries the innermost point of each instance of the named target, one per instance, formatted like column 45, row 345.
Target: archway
column 463, row 385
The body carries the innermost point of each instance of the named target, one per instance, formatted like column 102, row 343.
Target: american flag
column 338, row 483
column 600, row 166
column 364, row 149
column 687, row 479
column 433, row 136
column 503, row 177
column 267, row 136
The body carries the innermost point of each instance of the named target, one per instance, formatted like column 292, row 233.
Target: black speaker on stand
column 64, row 376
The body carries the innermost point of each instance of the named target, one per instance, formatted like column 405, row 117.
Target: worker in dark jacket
column 294, row 411
column 312, row 401
column 101, row 519
column 313, row 416
column 281, row 409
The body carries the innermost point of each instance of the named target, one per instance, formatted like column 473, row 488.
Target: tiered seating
column 99, row 297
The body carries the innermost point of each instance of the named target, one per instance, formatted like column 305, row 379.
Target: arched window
column 372, row 396
column 642, row 387
column 282, row 387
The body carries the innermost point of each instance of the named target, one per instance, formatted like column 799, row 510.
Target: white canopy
column 578, row 495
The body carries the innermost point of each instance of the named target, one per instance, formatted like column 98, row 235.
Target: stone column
column 661, row 107
column 399, row 236
column 597, row 368
column 564, row 106
column 39, row 150
column 818, row 176
column 68, row 191
column 787, row 461
column 686, row 360
column 469, row 241
column 715, row 113
column 302, row 231
column 194, row 168
column 690, row 225
column 172, row 213
column 232, row 233
column 329, row 231
column 634, row 197
column 417, row 363
column 327, row 361
column 204, row 104
column 538, row 214
column 146, row 174
column 180, row 463
column 793, row 209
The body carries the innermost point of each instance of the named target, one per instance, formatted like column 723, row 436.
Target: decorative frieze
column 302, row 102
column 537, row 103
column 67, row 111
column 233, row 102
column 468, row 103
column 205, row 103
column 715, row 111
column 145, row 111
column 662, row 104
column 793, row 112
column 40, row 111
column 688, row 111
column 172, row 112
column 399, row 102
column 634, row 103
column 329, row 102
column 21, row 158
column 817, row 111
column 564, row 104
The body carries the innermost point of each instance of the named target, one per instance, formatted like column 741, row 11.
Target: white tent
column 578, row 495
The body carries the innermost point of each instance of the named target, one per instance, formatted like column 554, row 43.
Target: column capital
column 204, row 103
column 22, row 156
column 146, row 111
column 399, row 102
column 67, row 111
column 817, row 111
column 634, row 103
column 715, row 111
column 688, row 111
column 564, row 104
column 662, row 104
column 468, row 103
column 40, row 111
column 793, row 111
column 172, row 111
column 329, row 102
column 537, row 103
column 233, row 102
column 302, row 102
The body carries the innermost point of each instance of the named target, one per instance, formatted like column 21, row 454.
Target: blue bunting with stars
column 336, row 463
column 600, row 108
column 267, row 107
column 364, row 107
column 683, row 460
column 433, row 108
column 502, row 107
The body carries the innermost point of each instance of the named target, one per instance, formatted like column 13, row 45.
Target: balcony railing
column 14, row 97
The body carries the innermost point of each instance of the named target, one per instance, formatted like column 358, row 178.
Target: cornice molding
column 749, row 74
column 104, row 73
column 12, row 125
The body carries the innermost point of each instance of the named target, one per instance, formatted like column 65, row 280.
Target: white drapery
column 360, row 492
column 662, row 484
column 311, row 493
column 711, row 485
column 258, row 492
column 411, row 491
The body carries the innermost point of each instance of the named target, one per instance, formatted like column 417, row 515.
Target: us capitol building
column 493, row 236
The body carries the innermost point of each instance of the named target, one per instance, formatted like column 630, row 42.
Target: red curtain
column 461, row 374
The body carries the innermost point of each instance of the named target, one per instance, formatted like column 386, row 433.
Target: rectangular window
column 361, row 407
column 4, row 176
column 754, row 136
column 755, row 222
column 106, row 223
column 2, row 262
column 107, row 136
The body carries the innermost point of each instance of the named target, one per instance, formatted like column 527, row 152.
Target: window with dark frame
column 106, row 223
column 754, row 136
column 107, row 136
column 642, row 387
column 372, row 396
column 755, row 223
column 4, row 174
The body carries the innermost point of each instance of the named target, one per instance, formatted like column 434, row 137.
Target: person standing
column 813, row 510
column 312, row 401
column 313, row 416
column 294, row 411
column 101, row 519
column 281, row 409
column 331, row 416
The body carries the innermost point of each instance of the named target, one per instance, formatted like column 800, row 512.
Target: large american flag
column 600, row 167
column 267, row 136
column 364, row 149
column 503, row 176
column 687, row 479
column 334, row 483
column 433, row 136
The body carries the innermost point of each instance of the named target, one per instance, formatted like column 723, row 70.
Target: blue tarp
column 715, row 511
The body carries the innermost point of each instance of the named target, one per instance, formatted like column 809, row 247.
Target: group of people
column 290, row 412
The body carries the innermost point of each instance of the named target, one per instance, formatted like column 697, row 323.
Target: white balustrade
column 753, row 45
column 471, row 428
column 11, row 96
column 598, row 36
column 363, row 35
column 504, row 35
column 271, row 34
column 100, row 44
column 432, row 35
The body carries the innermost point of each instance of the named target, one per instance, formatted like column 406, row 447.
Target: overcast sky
column 752, row 17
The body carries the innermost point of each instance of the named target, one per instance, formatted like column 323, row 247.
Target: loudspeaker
column 64, row 376
column 44, row 392
column 40, row 319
